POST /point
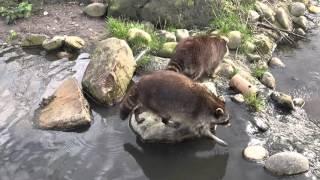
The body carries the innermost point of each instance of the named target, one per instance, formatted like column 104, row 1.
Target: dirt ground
column 62, row 19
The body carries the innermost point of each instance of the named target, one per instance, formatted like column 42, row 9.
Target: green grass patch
column 258, row 72
column 255, row 102
column 233, row 17
column 12, row 13
column 119, row 28
column 144, row 60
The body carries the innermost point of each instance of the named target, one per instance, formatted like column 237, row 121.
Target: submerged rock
column 110, row 71
column 182, row 34
column 276, row 62
column 287, row 163
column 234, row 39
column 167, row 49
column 299, row 102
column 66, row 109
column 33, row 40
column 297, row 9
column 95, row 9
column 283, row 100
column 238, row 98
column 255, row 153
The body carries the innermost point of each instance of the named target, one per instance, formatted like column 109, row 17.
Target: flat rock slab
column 287, row 163
column 152, row 129
column 66, row 109
column 255, row 153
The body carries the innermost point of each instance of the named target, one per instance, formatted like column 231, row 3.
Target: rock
column 109, row 71
column 300, row 31
column 226, row 70
column 287, row 163
column 95, row 9
column 265, row 11
column 253, row 57
column 64, row 54
column 54, row 43
column 182, row 34
column 151, row 64
column 262, row 65
column 283, row 100
column 268, row 80
column 263, row 43
column 238, row 98
column 253, row 16
column 67, row 109
column 300, row 21
column 242, row 85
column 167, row 49
column 234, row 39
column 180, row 13
column 74, row 42
column 33, row 40
column 255, row 153
column 283, row 18
column 168, row 36
column 210, row 86
column 297, row 9
column 299, row 102
column 276, row 62
column 140, row 34
column 314, row 9
column 249, row 47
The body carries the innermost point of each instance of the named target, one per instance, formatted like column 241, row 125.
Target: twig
column 280, row 30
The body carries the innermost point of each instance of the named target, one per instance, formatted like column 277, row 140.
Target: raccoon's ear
column 219, row 112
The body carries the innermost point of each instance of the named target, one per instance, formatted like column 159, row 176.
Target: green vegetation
column 259, row 71
column 13, row 35
column 144, row 61
column 232, row 16
column 235, row 71
column 119, row 28
column 23, row 10
column 255, row 102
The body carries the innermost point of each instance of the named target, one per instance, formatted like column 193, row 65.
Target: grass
column 233, row 17
column 119, row 28
column 144, row 60
column 23, row 10
column 258, row 72
column 255, row 102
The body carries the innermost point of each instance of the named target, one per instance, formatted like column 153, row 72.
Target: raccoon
column 197, row 56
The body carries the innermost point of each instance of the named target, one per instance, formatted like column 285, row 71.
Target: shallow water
column 109, row 149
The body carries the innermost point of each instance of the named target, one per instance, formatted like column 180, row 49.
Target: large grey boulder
column 180, row 13
column 95, row 9
column 66, row 109
column 109, row 71
column 287, row 163
column 151, row 64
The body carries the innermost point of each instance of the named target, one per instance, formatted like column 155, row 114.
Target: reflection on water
column 108, row 149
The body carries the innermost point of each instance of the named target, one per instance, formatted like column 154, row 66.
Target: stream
column 110, row 150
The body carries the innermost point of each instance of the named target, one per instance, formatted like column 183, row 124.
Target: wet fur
column 170, row 94
column 197, row 56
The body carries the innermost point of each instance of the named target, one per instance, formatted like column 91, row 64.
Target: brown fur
column 196, row 56
column 170, row 94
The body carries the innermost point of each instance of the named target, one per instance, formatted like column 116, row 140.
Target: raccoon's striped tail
column 174, row 66
column 129, row 102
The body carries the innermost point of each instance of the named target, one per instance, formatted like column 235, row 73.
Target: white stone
column 255, row 153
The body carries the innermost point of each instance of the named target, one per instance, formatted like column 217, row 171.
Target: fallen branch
column 281, row 30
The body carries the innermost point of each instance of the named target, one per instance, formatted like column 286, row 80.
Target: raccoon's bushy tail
column 129, row 102
column 174, row 66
